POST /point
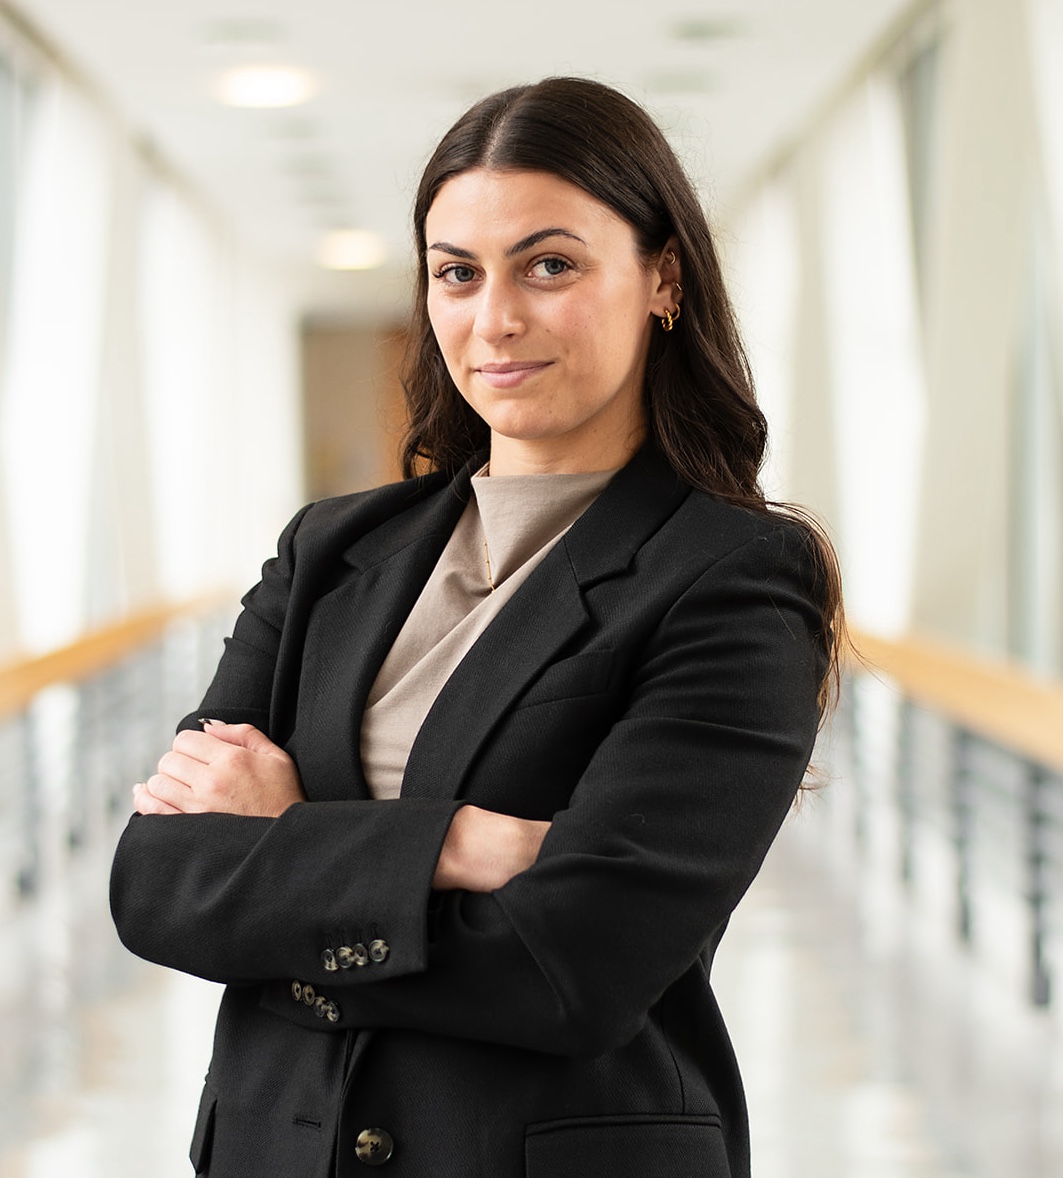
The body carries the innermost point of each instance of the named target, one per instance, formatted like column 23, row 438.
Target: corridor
column 871, row 1046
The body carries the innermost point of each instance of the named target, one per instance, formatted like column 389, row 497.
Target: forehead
column 500, row 207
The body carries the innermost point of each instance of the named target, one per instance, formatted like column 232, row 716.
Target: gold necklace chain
column 487, row 561
column 487, row 555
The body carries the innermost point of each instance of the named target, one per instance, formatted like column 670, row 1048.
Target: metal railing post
column 1037, row 879
column 962, row 797
column 906, row 804
column 31, row 805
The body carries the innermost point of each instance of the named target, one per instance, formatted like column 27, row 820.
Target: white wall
column 915, row 394
column 149, row 401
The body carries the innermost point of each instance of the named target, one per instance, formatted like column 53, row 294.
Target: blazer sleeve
column 239, row 899
column 664, row 832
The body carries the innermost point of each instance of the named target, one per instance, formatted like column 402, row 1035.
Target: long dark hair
column 701, row 407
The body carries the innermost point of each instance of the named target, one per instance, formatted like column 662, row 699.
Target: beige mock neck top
column 521, row 517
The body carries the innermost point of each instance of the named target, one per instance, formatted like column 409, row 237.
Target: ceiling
column 730, row 81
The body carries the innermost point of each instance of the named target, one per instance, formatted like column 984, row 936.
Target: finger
column 245, row 735
column 144, row 802
column 201, row 746
column 187, row 770
column 174, row 793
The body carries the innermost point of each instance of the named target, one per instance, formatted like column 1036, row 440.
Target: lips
column 509, row 374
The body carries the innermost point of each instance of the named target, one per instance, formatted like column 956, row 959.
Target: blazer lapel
column 502, row 662
column 361, row 618
column 545, row 613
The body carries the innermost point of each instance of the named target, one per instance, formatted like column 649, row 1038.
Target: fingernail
column 206, row 722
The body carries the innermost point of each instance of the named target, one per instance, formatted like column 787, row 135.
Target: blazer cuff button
column 378, row 950
column 328, row 960
column 348, row 955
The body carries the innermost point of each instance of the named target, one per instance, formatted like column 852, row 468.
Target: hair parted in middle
column 701, row 408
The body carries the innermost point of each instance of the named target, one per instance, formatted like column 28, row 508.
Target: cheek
column 611, row 347
column 609, row 330
column 446, row 324
column 450, row 330
column 575, row 329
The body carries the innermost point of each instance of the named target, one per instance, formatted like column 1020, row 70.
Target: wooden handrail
column 995, row 699
column 21, row 680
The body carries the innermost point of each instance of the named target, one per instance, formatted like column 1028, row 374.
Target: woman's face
column 543, row 308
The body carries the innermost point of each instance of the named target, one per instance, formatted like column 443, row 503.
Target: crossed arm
column 658, row 840
column 236, row 769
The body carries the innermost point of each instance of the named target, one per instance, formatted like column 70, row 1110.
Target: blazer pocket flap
column 582, row 674
column 626, row 1147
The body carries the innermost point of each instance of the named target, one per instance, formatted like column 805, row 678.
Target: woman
column 494, row 752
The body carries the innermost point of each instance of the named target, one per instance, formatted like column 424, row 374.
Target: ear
column 668, row 270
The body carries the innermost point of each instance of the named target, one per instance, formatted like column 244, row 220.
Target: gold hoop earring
column 670, row 257
column 670, row 318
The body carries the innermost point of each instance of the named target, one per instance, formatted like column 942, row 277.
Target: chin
column 524, row 431
column 519, row 421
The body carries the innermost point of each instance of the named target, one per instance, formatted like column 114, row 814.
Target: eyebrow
column 525, row 243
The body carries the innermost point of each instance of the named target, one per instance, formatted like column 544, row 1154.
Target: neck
column 512, row 456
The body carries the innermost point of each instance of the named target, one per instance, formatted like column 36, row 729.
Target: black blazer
column 652, row 689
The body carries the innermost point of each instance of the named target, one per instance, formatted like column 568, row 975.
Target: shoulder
column 748, row 568
column 371, row 507
column 320, row 536
column 332, row 524
column 761, row 574
column 714, row 531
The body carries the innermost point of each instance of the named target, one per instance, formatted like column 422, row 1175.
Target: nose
column 499, row 311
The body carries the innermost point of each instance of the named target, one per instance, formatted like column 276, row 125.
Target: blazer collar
column 601, row 543
column 604, row 540
column 425, row 507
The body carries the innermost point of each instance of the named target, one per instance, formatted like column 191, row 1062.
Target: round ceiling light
column 351, row 249
column 265, row 86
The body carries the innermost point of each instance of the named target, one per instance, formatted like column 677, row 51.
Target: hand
column 484, row 850
column 225, row 769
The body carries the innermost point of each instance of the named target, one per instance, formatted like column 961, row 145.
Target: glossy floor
column 872, row 1048
column 873, row 1044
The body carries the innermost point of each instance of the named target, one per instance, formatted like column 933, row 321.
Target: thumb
column 244, row 735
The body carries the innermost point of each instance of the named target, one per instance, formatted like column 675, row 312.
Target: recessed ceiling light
column 265, row 86
column 351, row 249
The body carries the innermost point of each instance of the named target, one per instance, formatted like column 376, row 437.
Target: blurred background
column 204, row 284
